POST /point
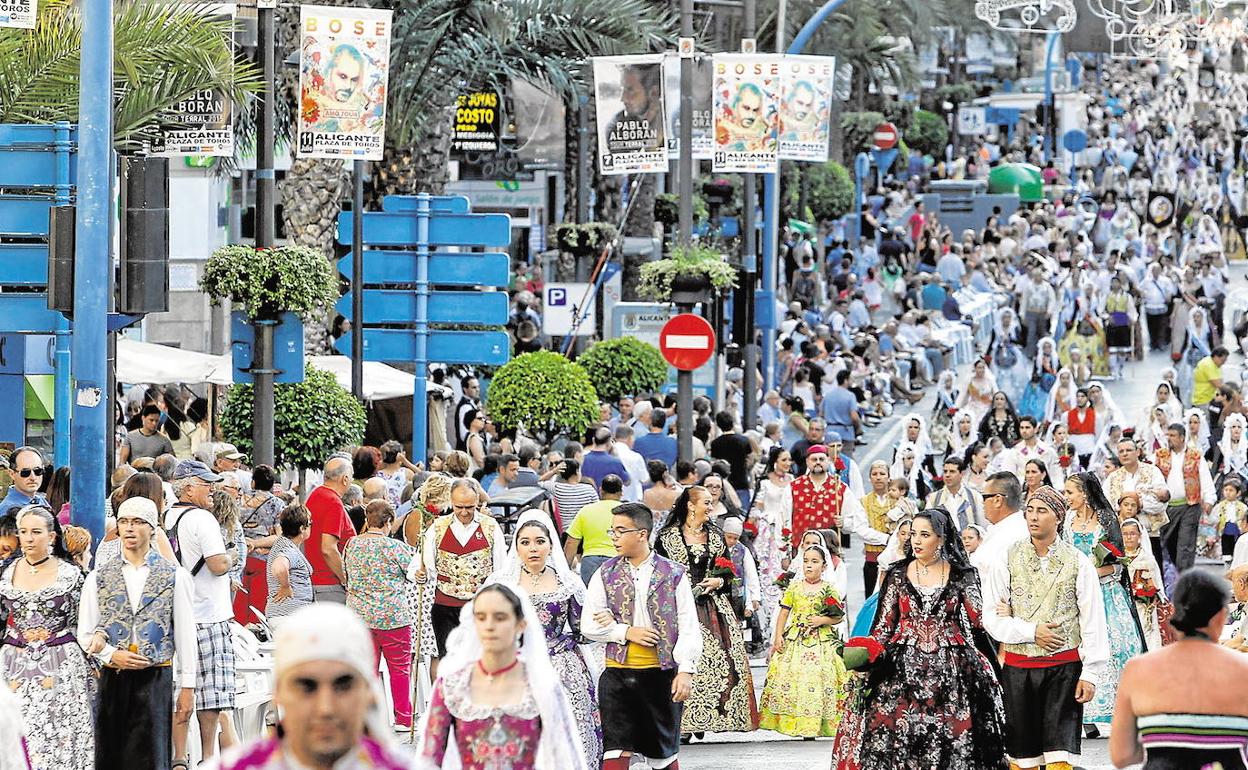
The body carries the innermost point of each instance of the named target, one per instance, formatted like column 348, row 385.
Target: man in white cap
column 134, row 616
column 329, row 696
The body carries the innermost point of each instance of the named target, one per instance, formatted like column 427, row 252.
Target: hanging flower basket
column 687, row 277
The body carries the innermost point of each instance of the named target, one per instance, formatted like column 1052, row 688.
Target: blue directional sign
column 438, row 204
column 1075, row 140
column 23, row 264
column 446, row 346
column 398, row 306
column 27, row 313
column 27, row 215
column 387, row 266
column 1002, row 115
column 287, row 348
column 398, row 228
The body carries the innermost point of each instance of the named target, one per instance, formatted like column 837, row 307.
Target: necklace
column 922, row 568
column 489, row 675
column 34, row 565
column 535, row 578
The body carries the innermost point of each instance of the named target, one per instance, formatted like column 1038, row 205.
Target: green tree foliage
column 927, row 133
column 859, row 129
column 311, row 420
column 624, row 366
column 267, row 282
column 544, row 393
column 163, row 53
column 831, row 193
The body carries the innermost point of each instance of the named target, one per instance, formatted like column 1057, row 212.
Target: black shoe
column 1091, row 731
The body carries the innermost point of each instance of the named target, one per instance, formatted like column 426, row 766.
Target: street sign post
column 687, row 341
column 886, row 136
column 399, row 269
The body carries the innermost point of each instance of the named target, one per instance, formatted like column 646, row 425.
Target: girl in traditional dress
column 1090, row 521
column 943, row 410
column 536, row 564
column 926, row 705
column 964, row 433
column 1148, row 590
column 1197, row 344
column 1043, row 373
column 1006, row 351
column 1062, row 395
column 1067, row 455
column 1197, row 430
column 976, row 458
column 1234, row 449
column 722, row 697
column 805, row 677
column 772, row 512
column 40, row 659
column 1001, row 421
column 1164, row 411
column 977, row 395
column 498, row 702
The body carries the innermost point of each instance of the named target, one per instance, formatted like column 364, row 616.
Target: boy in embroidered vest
column 1191, row 492
column 641, row 605
column 747, row 592
column 134, row 616
column 1050, row 621
column 461, row 550
column 333, row 708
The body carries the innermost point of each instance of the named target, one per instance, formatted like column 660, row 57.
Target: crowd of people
column 1038, row 566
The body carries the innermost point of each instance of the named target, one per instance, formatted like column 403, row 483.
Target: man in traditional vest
column 134, row 616
column 1051, row 625
column 823, row 501
column 461, row 550
column 641, row 605
column 1191, row 492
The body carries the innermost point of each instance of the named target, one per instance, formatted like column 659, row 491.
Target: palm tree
column 164, row 53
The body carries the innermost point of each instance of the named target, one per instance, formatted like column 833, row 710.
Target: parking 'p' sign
column 687, row 341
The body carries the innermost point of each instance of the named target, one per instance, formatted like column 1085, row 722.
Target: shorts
column 215, row 682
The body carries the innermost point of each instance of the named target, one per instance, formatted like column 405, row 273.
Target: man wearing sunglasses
column 26, row 467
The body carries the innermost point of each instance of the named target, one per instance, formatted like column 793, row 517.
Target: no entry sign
column 886, row 136
column 687, row 341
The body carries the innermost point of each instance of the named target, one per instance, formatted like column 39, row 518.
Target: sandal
column 184, row 764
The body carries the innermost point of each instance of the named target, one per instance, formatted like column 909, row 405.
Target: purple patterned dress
column 41, row 663
column 486, row 737
column 560, row 613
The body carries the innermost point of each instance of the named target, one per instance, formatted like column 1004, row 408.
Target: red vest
column 1087, row 425
column 462, row 568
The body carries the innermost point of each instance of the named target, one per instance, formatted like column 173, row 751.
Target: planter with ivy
column 584, row 240
column 687, row 277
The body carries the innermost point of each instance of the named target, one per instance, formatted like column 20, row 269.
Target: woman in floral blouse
column 378, row 569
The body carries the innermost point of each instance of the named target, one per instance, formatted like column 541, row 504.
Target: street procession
column 610, row 384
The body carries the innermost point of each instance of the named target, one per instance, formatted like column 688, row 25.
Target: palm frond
column 163, row 53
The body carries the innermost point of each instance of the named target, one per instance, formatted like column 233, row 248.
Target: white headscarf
column 1201, row 440
column 1235, row 456
column 1066, row 392
column 325, row 631
column 1198, row 336
column 509, row 574
column 559, row 747
column 1054, row 362
column 958, row 444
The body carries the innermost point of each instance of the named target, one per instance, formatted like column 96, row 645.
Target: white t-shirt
column 199, row 536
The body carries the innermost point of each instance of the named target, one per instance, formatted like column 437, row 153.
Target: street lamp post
column 749, row 258
column 684, row 379
column 266, row 208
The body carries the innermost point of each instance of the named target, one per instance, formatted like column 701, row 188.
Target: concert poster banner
column 344, row 63
column 18, row 13
column 703, row 75
column 747, row 113
column 632, row 124
column 806, row 107
column 202, row 124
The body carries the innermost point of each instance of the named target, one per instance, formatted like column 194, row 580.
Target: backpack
column 172, row 534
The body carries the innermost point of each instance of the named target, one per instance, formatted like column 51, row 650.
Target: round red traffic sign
column 886, row 136
column 687, row 341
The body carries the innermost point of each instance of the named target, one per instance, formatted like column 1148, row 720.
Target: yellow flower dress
column 806, row 680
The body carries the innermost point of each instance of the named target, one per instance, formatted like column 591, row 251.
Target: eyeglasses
column 991, row 495
column 615, row 532
column 28, row 472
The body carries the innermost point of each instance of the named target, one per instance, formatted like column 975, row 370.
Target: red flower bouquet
column 1105, row 554
column 839, row 464
column 860, row 652
column 1064, row 461
column 951, row 411
column 750, row 528
column 830, row 606
column 783, row 579
column 786, row 538
column 720, row 568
